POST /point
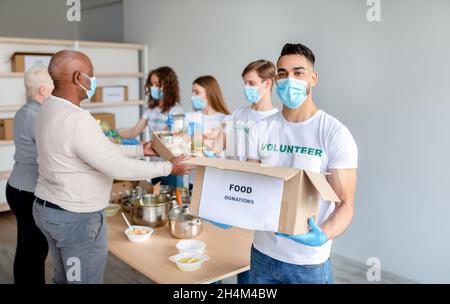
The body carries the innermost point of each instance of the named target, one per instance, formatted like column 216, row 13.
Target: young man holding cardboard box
column 304, row 137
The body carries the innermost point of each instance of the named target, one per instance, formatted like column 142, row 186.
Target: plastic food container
column 181, row 260
column 196, row 246
column 138, row 234
column 178, row 123
column 167, row 138
column 112, row 209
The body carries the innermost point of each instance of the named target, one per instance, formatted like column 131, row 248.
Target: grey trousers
column 78, row 244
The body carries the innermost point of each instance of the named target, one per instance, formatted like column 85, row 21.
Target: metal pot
column 184, row 225
column 150, row 199
column 128, row 201
column 153, row 215
column 173, row 204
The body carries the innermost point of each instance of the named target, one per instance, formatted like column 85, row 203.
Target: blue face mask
column 292, row 92
column 90, row 92
column 252, row 94
column 198, row 103
column 156, row 93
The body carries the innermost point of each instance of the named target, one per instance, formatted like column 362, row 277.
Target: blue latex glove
column 191, row 129
column 130, row 141
column 315, row 237
column 222, row 226
column 209, row 154
column 169, row 121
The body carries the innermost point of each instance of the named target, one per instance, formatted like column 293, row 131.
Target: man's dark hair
column 298, row 49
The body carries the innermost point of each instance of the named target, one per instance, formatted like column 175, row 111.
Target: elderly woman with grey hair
column 32, row 246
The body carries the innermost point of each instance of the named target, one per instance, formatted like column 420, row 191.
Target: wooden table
column 228, row 250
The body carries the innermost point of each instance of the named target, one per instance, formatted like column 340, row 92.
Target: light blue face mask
column 91, row 91
column 292, row 92
column 252, row 94
column 198, row 103
column 156, row 93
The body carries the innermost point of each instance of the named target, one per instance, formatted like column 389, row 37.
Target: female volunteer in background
column 32, row 246
column 164, row 99
column 258, row 79
column 209, row 112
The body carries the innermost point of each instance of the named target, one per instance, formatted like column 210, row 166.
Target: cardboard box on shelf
column 109, row 118
column 22, row 61
column 113, row 93
column 6, row 129
column 257, row 197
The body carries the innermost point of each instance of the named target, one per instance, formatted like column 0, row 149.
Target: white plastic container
column 183, row 266
column 196, row 246
column 138, row 238
column 112, row 209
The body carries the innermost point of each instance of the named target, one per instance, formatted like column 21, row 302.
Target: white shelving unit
column 114, row 64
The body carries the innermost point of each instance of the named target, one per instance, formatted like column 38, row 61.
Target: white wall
column 387, row 81
column 101, row 20
column 36, row 19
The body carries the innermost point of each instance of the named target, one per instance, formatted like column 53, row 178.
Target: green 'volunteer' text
column 158, row 121
column 292, row 149
column 241, row 127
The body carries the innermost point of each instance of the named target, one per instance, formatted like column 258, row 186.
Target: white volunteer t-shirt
column 204, row 122
column 207, row 121
column 237, row 127
column 157, row 121
column 318, row 144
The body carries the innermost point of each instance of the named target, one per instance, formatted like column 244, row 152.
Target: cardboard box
column 110, row 94
column 118, row 189
column 145, row 186
column 160, row 148
column 109, row 118
column 22, row 61
column 6, row 129
column 164, row 151
column 300, row 190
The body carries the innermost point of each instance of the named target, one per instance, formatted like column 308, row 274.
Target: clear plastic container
column 178, row 123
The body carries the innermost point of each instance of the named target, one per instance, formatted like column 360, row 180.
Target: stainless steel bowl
column 184, row 225
column 153, row 215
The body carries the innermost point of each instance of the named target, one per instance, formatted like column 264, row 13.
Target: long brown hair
column 213, row 93
column 169, row 84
